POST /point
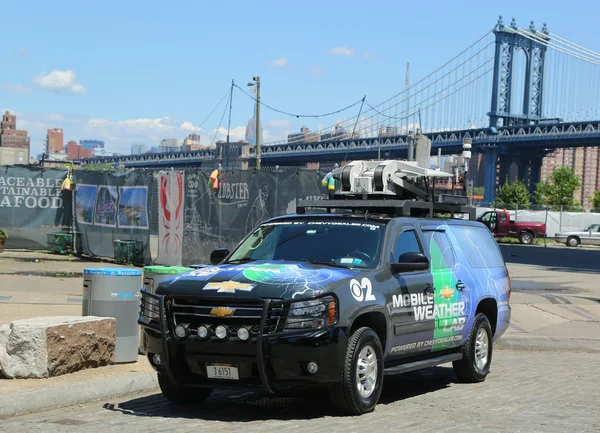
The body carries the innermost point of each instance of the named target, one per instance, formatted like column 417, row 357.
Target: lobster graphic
column 171, row 205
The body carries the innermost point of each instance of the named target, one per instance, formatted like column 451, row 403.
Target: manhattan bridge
column 517, row 93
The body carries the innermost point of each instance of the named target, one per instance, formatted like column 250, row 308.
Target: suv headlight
column 312, row 314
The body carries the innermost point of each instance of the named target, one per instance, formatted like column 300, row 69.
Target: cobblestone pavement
column 526, row 392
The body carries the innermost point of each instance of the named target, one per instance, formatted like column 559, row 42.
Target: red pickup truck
column 502, row 226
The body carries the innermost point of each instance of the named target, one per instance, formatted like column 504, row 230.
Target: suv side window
column 440, row 249
column 407, row 242
column 478, row 245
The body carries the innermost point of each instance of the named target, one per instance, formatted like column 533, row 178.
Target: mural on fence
column 112, row 206
column 220, row 217
column 170, row 217
column 33, row 205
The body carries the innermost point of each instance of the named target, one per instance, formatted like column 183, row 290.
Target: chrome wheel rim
column 366, row 371
column 527, row 239
column 481, row 349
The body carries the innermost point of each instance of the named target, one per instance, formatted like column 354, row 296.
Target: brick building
column 10, row 136
column 585, row 162
column 14, row 143
column 54, row 141
column 76, row 151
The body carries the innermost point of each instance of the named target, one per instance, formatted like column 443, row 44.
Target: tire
column 181, row 395
column 572, row 241
column 468, row 369
column 526, row 238
column 362, row 345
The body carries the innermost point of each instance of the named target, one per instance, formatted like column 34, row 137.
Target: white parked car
column 588, row 236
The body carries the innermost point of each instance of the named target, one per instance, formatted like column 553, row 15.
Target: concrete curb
column 548, row 344
column 81, row 393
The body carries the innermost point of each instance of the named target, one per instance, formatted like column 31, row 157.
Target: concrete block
column 51, row 346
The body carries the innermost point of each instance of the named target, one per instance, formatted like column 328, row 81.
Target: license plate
column 221, row 371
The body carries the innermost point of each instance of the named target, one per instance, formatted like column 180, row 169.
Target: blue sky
column 138, row 71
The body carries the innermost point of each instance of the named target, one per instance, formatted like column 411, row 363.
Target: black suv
column 333, row 300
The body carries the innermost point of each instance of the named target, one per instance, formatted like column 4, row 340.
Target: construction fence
column 173, row 217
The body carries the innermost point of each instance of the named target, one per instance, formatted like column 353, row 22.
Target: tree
column 478, row 190
column 511, row 194
column 596, row 199
column 559, row 189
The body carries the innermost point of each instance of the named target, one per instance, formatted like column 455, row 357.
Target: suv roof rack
column 391, row 188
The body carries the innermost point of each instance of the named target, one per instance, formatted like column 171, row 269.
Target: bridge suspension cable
column 572, row 77
column 431, row 92
column 210, row 114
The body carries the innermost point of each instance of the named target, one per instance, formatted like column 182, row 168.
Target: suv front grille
column 197, row 312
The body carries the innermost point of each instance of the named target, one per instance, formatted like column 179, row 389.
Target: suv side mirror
column 218, row 255
column 410, row 262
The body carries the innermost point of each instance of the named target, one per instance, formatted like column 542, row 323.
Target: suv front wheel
column 477, row 353
column 362, row 374
column 179, row 394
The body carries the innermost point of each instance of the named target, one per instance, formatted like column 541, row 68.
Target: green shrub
column 3, row 234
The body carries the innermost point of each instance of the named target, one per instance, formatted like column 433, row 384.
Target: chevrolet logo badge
column 228, row 287
column 222, row 311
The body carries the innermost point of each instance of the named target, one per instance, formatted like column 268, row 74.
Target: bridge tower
column 509, row 40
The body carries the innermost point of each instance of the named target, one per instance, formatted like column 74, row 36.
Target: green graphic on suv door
column 449, row 308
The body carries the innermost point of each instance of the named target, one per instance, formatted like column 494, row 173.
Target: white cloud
column 280, row 63
column 341, row 51
column 315, row 71
column 55, row 117
column 16, row 88
column 279, row 123
column 188, row 126
column 59, row 81
column 368, row 55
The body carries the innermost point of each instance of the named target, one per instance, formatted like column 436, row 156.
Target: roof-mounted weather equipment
column 393, row 187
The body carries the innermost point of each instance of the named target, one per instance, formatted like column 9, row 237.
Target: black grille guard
column 166, row 336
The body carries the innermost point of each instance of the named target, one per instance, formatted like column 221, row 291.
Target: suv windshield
column 332, row 242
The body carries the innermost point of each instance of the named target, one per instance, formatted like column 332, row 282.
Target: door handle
column 429, row 290
column 460, row 286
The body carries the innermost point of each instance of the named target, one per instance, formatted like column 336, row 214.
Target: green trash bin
column 129, row 252
column 153, row 275
column 60, row 242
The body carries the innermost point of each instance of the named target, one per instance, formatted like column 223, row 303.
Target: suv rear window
column 478, row 245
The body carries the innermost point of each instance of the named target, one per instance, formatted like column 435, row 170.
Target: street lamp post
column 256, row 82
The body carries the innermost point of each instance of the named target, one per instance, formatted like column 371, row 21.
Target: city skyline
column 55, row 81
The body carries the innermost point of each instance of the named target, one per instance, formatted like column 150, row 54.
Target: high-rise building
column 251, row 130
column 91, row 144
column 339, row 133
column 54, row 140
column 10, row 136
column 304, row 136
column 169, row 145
column 585, row 162
column 191, row 143
column 138, row 148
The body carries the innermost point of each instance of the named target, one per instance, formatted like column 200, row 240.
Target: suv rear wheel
column 179, row 394
column 362, row 374
column 477, row 352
